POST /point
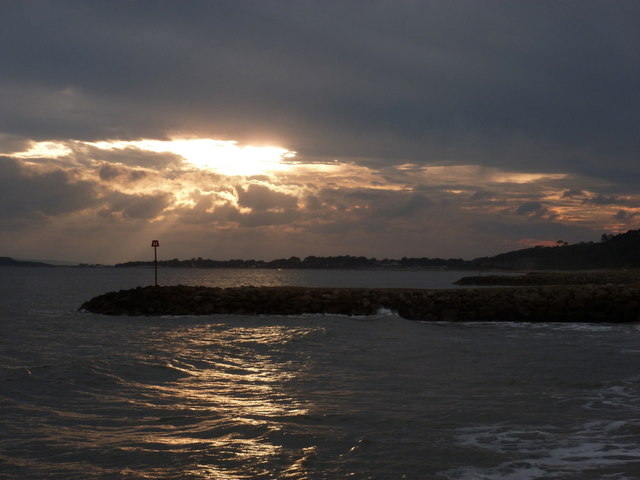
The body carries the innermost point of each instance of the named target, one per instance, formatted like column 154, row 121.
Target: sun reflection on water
column 232, row 402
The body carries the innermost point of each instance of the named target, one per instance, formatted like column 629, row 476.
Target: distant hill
column 10, row 262
column 613, row 252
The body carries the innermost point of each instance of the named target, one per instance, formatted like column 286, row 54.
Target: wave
column 592, row 450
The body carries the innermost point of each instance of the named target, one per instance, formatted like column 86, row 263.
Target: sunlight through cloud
column 222, row 156
column 44, row 150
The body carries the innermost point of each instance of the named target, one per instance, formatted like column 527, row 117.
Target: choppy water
column 84, row 396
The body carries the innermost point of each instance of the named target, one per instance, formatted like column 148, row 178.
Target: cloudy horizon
column 239, row 129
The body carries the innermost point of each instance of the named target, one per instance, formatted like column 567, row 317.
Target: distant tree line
column 613, row 251
column 346, row 262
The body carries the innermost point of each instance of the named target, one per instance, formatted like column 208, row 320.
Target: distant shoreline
column 485, row 277
column 613, row 252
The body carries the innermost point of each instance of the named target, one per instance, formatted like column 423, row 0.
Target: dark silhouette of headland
column 10, row 262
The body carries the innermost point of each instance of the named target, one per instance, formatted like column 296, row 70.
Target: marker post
column 155, row 244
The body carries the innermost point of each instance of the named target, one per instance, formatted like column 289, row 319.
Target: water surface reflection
column 229, row 399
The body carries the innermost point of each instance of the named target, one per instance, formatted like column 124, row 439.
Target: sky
column 277, row 128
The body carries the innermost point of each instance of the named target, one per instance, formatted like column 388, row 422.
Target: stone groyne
column 595, row 277
column 568, row 303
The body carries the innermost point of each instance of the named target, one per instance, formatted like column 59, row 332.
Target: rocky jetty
column 594, row 277
column 571, row 303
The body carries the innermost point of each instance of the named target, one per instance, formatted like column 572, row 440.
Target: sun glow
column 44, row 149
column 225, row 157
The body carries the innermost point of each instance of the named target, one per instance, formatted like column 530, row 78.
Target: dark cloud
column 13, row 143
column 573, row 193
column 500, row 83
column 135, row 175
column 109, row 172
column 260, row 198
column 625, row 215
column 206, row 214
column 603, row 200
column 372, row 211
column 482, row 195
column 267, row 218
column 487, row 87
column 138, row 206
column 535, row 210
column 612, row 200
column 25, row 194
column 383, row 204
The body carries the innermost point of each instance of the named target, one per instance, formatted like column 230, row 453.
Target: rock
column 487, row 312
column 449, row 315
column 523, row 311
column 576, row 303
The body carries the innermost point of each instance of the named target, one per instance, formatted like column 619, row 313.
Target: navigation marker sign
column 155, row 244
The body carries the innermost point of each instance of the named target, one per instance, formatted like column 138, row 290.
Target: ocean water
column 85, row 396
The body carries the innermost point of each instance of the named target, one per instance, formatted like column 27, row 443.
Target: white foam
column 577, row 327
column 615, row 397
column 385, row 312
column 548, row 452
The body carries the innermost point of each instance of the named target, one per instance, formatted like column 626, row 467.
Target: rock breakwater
column 571, row 303
column 596, row 277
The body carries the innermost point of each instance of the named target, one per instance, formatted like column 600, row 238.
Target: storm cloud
column 403, row 116
column 25, row 194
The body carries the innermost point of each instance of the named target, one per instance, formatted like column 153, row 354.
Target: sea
column 313, row 397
